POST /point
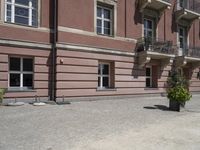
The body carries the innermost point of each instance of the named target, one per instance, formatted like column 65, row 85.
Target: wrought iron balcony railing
column 192, row 5
column 155, row 45
column 193, row 52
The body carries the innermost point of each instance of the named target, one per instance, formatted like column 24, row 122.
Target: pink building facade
column 94, row 48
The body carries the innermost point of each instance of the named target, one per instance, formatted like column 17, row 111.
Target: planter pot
column 175, row 105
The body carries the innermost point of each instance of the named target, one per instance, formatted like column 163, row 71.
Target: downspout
column 54, row 51
column 125, row 19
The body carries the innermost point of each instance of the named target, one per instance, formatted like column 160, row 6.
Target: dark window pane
column 27, row 64
column 149, row 24
column 99, row 23
column 14, row 64
column 23, row 12
column 181, row 32
column 181, row 42
column 99, row 30
column 105, row 69
column 148, row 82
column 21, row 20
column 99, row 69
column 148, row 72
column 107, row 31
column 149, row 34
column 181, row 3
column 22, row 2
column 27, row 80
column 34, row 18
column 8, row 0
column 34, row 3
column 8, row 7
column 98, row 12
column 145, row 23
column 14, row 80
column 107, row 24
column 105, row 81
column 99, row 81
column 106, row 14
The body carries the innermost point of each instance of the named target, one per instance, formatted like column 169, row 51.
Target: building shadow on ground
column 160, row 107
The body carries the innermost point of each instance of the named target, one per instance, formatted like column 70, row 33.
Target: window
column 23, row 12
column 148, row 28
column 104, row 20
column 103, row 75
column 20, row 73
column 182, row 38
column 182, row 3
column 148, row 76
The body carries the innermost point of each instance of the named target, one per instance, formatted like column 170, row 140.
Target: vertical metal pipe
column 54, row 41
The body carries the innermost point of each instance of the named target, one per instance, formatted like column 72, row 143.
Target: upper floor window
column 22, row 12
column 149, row 28
column 182, row 37
column 104, row 20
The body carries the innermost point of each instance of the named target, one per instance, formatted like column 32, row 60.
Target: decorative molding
column 4, row 42
column 38, row 29
column 92, row 49
column 88, row 33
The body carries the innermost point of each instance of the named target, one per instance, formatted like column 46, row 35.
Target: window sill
column 21, row 25
column 151, row 88
column 105, row 35
column 20, row 90
column 106, row 89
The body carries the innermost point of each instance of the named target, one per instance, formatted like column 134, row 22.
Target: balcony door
column 149, row 28
column 182, row 40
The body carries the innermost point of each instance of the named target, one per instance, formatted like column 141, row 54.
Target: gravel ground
column 126, row 124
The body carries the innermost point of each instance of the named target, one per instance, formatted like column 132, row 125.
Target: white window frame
column 21, row 72
column 29, row 7
column 149, row 77
column 104, row 19
column 101, row 75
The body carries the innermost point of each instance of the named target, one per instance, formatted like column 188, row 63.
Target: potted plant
column 177, row 91
column 2, row 92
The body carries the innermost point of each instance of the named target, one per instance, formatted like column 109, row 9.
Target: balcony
column 190, row 58
column 188, row 10
column 158, row 5
column 148, row 49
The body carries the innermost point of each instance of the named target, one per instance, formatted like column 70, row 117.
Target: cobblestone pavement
column 120, row 124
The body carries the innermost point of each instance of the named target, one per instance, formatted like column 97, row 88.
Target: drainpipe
column 125, row 19
column 54, row 51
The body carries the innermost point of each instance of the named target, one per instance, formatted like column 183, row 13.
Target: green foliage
column 2, row 92
column 176, row 79
column 179, row 93
column 178, row 88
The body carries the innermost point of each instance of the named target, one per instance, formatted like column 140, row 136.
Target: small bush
column 179, row 93
column 2, row 92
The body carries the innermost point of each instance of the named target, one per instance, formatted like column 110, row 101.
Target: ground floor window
column 151, row 76
column 104, row 75
column 148, row 76
column 20, row 73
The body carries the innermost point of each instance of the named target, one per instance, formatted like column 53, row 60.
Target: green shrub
column 2, row 92
column 179, row 93
column 176, row 79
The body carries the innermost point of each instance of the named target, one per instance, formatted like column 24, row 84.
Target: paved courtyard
column 121, row 124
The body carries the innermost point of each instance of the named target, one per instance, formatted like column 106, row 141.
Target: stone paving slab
column 122, row 124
